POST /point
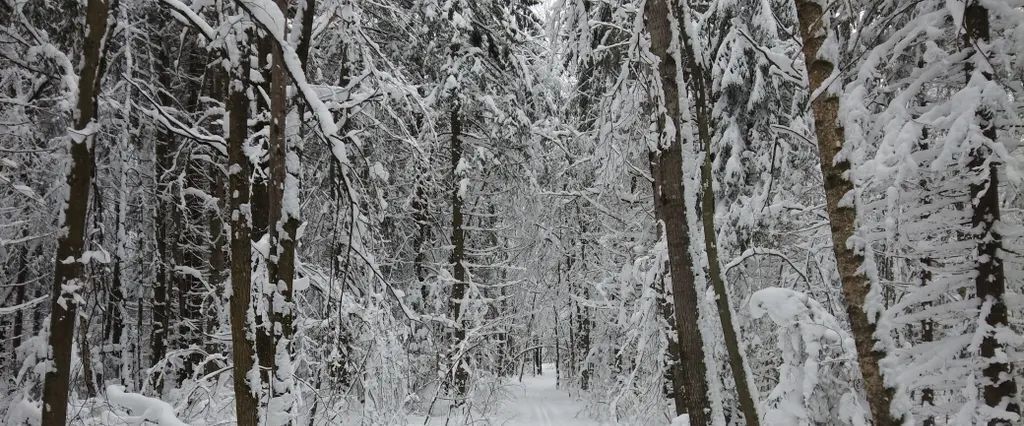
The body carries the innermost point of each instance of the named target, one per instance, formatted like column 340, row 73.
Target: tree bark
column 164, row 248
column 583, row 323
column 5, row 326
column 692, row 398
column 990, row 281
column 700, row 82
column 69, row 281
column 262, row 206
column 239, row 173
column 558, row 343
column 165, row 215
column 189, row 302
column 85, row 354
column 19, row 298
column 662, row 284
column 281, row 220
column 842, row 217
column 218, row 262
column 460, row 375
column 927, row 335
column 305, row 15
column 113, row 327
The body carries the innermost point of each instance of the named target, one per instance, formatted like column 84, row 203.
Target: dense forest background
column 322, row 212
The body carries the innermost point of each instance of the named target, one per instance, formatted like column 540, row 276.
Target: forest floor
column 536, row 401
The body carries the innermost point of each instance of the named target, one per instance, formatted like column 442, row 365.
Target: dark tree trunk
column 69, row 281
column 218, row 260
column 165, row 215
column 189, row 303
column 217, row 238
column 692, row 398
column 538, row 359
column 85, row 353
column 460, row 375
column 5, row 327
column 114, row 316
column 990, row 281
column 239, row 172
column 583, row 323
column 700, row 82
column 164, row 249
column 283, row 220
column 305, row 17
column 420, row 216
column 263, row 214
column 19, row 316
column 662, row 285
column 558, row 348
column 927, row 335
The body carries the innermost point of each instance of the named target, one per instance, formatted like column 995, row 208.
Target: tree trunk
column 164, row 249
column 165, row 215
column 218, row 257
column 674, row 374
column 583, row 323
column 113, row 327
column 69, row 282
column 19, row 316
column 239, row 171
column 4, row 327
column 927, row 335
column 538, row 359
column 262, row 206
column 189, row 302
column 841, row 218
column 558, row 348
column 217, row 238
column 85, row 355
column 283, row 223
column 692, row 399
column 460, row 375
column 990, row 280
column 700, row 81
column 304, row 15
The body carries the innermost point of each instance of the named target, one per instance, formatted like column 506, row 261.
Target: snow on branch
column 269, row 17
column 143, row 407
column 174, row 125
column 192, row 17
column 5, row 310
column 760, row 251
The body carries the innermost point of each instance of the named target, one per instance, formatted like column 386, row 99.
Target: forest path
column 538, row 401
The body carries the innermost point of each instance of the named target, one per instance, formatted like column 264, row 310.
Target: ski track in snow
column 535, row 402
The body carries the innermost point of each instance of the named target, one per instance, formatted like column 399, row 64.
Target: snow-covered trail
column 535, row 402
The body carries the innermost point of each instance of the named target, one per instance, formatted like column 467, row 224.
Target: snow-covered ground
column 534, row 402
